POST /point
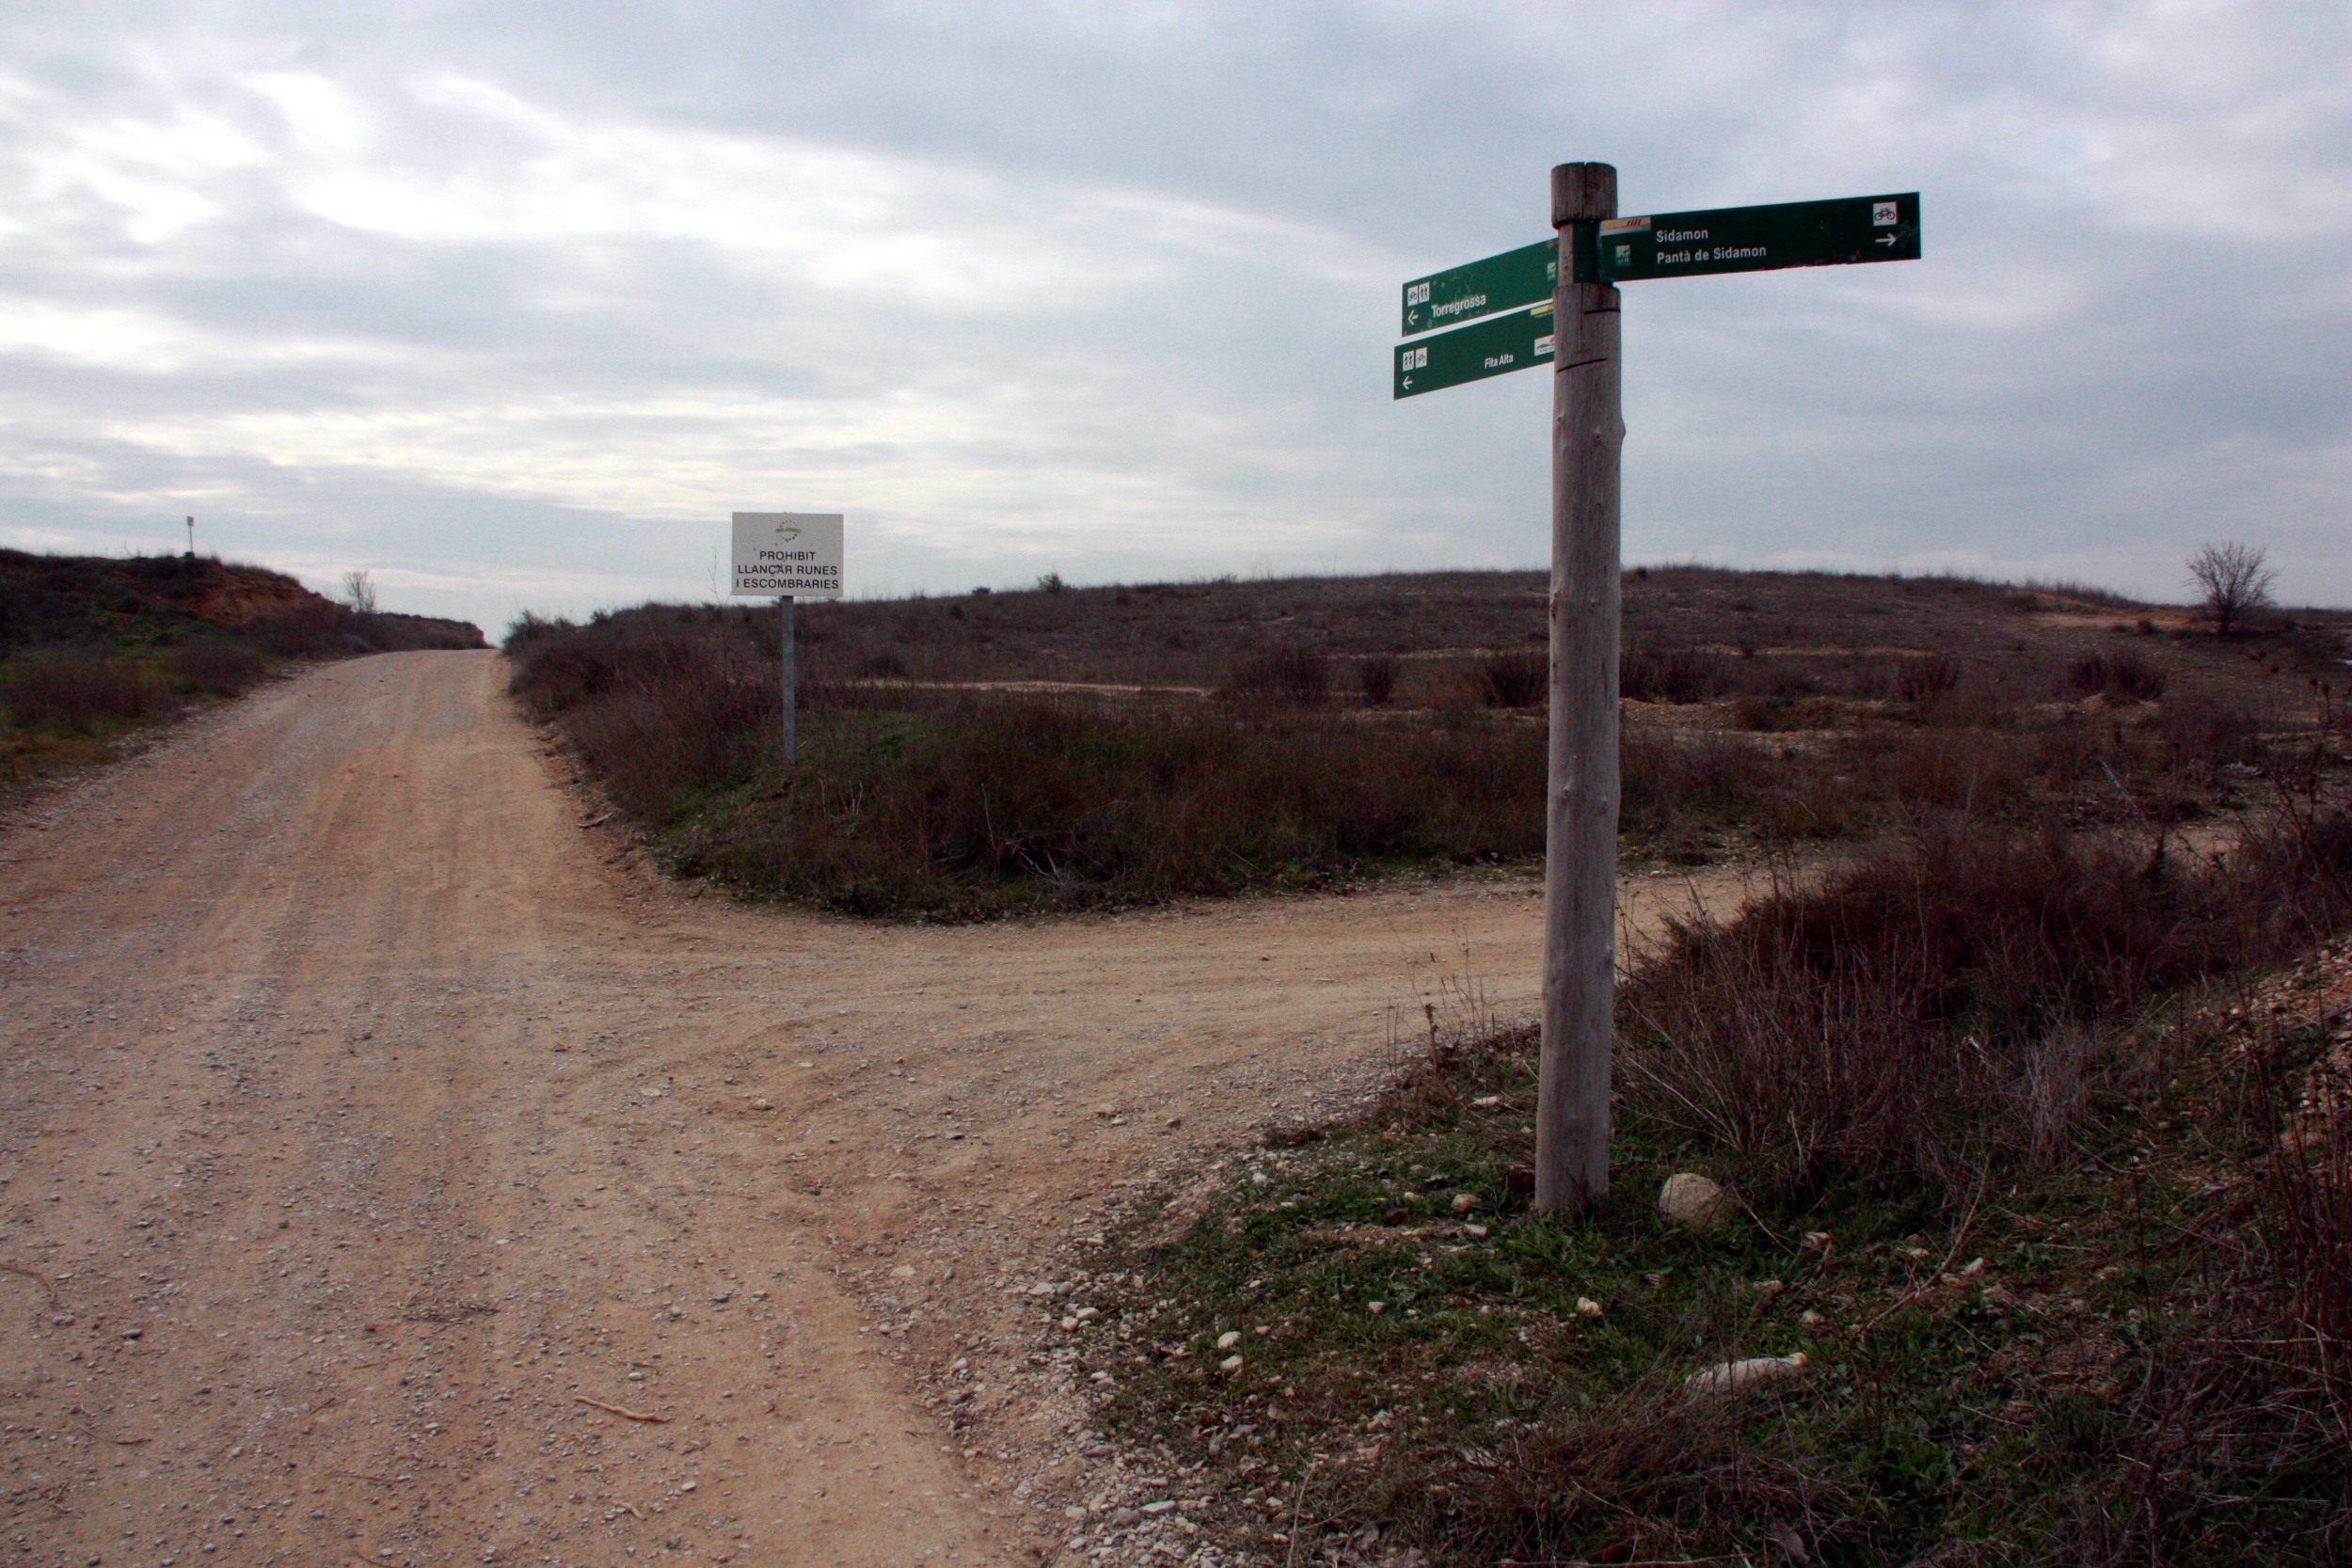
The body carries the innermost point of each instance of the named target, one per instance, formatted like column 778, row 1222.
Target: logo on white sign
column 788, row 554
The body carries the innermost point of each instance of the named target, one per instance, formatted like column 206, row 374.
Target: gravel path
column 392, row 1172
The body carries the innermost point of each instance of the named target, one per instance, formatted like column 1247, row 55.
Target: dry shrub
column 2292, row 874
column 685, row 723
column 1515, row 679
column 556, row 666
column 970, row 806
column 1671, row 783
column 1783, row 709
column 2308, row 1215
column 1286, row 673
column 1674, row 674
column 1925, row 680
column 2206, row 731
column 1935, row 992
column 657, row 715
column 1377, row 677
column 75, row 693
column 1650, row 1474
column 325, row 630
column 218, row 668
column 965, row 803
column 1971, row 771
column 2119, row 676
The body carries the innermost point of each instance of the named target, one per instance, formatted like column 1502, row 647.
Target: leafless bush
column 2203, row 733
column 325, row 630
column 967, row 803
column 1668, row 784
column 1378, row 678
column 1781, row 708
column 2232, row 582
column 1951, row 990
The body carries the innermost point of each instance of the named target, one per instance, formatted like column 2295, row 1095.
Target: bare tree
column 359, row 593
column 2233, row 580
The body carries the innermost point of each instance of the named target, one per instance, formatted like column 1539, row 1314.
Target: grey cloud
column 517, row 303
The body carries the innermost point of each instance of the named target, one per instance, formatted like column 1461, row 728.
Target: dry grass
column 77, row 693
column 1375, row 737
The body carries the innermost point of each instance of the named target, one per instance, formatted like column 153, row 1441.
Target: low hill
column 147, row 602
column 92, row 647
column 1818, row 631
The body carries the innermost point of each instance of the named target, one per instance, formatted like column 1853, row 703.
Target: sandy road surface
column 361, row 1117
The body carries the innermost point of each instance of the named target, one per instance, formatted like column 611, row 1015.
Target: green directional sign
column 1511, row 337
column 1754, row 239
column 1494, row 347
column 1511, row 281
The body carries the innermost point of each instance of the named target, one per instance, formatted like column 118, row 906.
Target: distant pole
column 790, row 677
column 191, row 538
column 1580, row 797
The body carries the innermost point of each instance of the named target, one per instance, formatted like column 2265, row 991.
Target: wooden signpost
column 1510, row 329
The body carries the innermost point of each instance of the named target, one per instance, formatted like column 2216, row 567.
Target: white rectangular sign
column 794, row 554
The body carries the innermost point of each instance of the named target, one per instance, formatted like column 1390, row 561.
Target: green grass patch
column 2058, row 1370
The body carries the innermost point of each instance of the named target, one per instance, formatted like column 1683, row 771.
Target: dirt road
column 376, row 1145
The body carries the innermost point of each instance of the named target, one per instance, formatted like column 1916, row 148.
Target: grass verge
column 2097, row 1320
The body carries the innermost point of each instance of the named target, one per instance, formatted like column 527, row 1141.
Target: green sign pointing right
column 1756, row 239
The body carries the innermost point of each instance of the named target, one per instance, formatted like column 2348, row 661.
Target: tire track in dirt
column 369, row 1121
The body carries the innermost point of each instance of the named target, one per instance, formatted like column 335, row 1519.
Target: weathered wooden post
column 1580, row 825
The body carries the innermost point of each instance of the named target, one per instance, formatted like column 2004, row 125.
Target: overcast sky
column 511, row 304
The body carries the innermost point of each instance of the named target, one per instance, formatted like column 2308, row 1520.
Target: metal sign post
column 791, row 686
column 791, row 555
column 1512, row 328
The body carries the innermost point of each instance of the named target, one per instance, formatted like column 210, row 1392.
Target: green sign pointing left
column 1518, row 341
column 1511, row 281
